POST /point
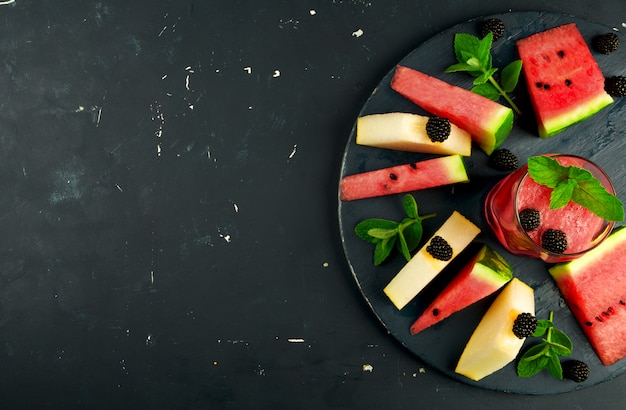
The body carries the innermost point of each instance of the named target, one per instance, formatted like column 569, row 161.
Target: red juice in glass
column 517, row 191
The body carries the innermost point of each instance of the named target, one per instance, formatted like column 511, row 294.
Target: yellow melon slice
column 459, row 232
column 493, row 344
column 407, row 132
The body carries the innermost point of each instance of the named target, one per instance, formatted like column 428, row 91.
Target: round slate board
column 601, row 138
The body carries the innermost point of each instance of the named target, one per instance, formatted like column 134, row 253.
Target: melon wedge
column 407, row 132
column 493, row 344
column 594, row 287
column 485, row 273
column 487, row 121
column 415, row 176
column 563, row 79
column 459, row 232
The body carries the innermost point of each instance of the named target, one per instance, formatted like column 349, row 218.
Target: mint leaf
column 381, row 233
column 575, row 184
column 484, row 77
column 459, row 67
column 483, row 51
column 473, row 56
column 542, row 326
column 545, row 355
column 364, row 228
column 533, row 361
column 404, row 249
column 593, row 196
column 387, row 235
column 510, row 76
column 547, row 171
column 562, row 193
column 383, row 250
column 465, row 47
column 412, row 234
column 410, row 206
column 486, row 90
column 554, row 365
column 560, row 343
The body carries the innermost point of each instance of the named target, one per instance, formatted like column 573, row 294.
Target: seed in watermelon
column 594, row 287
column 488, row 122
column 493, row 344
column 483, row 275
column 458, row 232
column 407, row 132
column 564, row 81
column 415, row 176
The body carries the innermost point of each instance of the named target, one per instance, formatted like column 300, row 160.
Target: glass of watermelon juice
column 517, row 191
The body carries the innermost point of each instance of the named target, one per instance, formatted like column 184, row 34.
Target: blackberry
column 493, row 25
column 438, row 129
column 524, row 325
column 606, row 43
column 503, row 160
column 530, row 219
column 616, row 86
column 554, row 240
column 439, row 249
column 575, row 370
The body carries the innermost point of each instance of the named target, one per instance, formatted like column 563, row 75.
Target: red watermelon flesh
column 487, row 121
column 594, row 287
column 482, row 276
column 415, row 176
column 580, row 225
column 563, row 79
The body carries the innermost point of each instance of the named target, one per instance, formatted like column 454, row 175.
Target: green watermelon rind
column 493, row 267
column 574, row 116
column 501, row 132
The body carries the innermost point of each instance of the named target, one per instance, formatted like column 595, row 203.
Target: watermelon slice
column 563, row 79
column 404, row 178
column 487, row 121
column 487, row 272
column 594, row 287
column 458, row 232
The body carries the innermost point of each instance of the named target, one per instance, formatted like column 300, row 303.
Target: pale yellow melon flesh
column 459, row 232
column 493, row 344
column 407, row 132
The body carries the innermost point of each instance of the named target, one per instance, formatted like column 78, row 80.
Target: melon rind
column 407, row 132
column 459, row 232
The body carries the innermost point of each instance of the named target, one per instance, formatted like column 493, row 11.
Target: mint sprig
column 474, row 57
column 545, row 355
column 387, row 235
column 570, row 183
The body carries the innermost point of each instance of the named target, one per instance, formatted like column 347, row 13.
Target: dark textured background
column 168, row 212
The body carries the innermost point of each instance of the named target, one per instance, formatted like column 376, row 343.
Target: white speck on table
column 293, row 151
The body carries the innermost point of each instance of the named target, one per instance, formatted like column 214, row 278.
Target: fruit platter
column 450, row 196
